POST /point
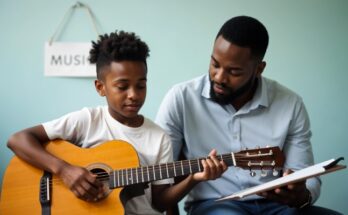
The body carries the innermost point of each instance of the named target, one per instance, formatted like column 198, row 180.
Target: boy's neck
column 133, row 122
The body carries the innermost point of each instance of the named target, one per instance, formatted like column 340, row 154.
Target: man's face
column 232, row 71
column 124, row 85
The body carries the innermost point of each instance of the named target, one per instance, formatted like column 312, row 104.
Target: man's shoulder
column 279, row 91
column 194, row 85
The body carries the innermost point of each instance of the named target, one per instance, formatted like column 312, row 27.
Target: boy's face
column 124, row 86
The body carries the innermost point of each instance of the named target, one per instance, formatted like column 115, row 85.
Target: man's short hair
column 248, row 32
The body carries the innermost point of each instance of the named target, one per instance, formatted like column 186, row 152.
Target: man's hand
column 82, row 183
column 293, row 195
column 213, row 168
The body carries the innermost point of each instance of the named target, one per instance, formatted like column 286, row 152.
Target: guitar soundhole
column 102, row 172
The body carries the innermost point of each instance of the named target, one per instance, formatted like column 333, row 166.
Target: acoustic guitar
column 116, row 164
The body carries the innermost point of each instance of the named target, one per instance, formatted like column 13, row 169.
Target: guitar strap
column 45, row 193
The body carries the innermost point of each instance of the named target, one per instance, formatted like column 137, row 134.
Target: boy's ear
column 99, row 86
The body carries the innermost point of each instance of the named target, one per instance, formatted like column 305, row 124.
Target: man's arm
column 28, row 145
column 299, row 154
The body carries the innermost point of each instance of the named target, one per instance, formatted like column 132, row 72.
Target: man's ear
column 99, row 86
column 260, row 67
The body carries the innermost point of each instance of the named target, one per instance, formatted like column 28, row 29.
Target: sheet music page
column 291, row 178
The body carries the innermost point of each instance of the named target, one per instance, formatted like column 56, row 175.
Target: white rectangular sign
column 68, row 59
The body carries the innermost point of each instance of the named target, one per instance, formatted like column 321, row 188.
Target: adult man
column 234, row 108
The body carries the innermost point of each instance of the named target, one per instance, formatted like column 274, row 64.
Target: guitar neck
column 267, row 158
column 125, row 177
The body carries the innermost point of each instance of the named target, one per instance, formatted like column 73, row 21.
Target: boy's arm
column 28, row 145
column 166, row 196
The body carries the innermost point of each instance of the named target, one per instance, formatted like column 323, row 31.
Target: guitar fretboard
column 125, row 177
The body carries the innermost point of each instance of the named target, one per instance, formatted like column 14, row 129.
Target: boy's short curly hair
column 117, row 46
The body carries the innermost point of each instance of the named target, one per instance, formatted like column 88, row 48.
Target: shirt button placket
column 235, row 131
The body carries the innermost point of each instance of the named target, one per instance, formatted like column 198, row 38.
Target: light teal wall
column 307, row 52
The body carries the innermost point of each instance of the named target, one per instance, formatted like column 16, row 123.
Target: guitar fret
column 115, row 182
column 174, row 167
column 233, row 159
column 190, row 166
column 148, row 174
column 182, row 168
column 142, row 174
column 127, row 177
column 122, row 177
column 199, row 165
column 167, row 170
column 118, row 178
column 132, row 176
column 160, row 171
column 136, row 175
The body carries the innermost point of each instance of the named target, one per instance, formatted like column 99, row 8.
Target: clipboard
column 309, row 172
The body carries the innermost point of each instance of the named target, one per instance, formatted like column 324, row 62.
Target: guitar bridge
column 45, row 192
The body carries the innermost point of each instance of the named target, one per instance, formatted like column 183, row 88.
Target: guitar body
column 21, row 182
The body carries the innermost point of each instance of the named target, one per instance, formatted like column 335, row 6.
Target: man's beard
column 231, row 95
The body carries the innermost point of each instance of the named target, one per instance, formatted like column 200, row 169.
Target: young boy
column 120, row 59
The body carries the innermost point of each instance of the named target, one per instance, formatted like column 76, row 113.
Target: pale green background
column 307, row 52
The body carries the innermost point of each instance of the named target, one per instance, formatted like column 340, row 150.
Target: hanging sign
column 68, row 59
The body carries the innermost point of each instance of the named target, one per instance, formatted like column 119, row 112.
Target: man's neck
column 245, row 98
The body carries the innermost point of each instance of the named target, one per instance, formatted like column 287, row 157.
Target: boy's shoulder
column 151, row 125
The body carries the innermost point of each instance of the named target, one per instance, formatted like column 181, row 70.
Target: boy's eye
column 142, row 86
column 122, row 87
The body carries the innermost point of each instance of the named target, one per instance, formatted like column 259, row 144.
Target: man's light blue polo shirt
column 275, row 116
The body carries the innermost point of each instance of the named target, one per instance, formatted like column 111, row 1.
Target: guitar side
column 20, row 189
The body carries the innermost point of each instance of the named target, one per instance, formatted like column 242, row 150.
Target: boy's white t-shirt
column 90, row 127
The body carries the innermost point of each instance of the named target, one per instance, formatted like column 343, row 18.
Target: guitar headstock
column 262, row 158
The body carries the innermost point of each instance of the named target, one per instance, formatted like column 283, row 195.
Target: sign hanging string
column 69, row 13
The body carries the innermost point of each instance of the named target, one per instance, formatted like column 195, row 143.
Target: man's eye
column 215, row 65
column 235, row 72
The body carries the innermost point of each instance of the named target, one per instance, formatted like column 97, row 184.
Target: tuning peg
column 252, row 173
column 275, row 172
column 263, row 173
